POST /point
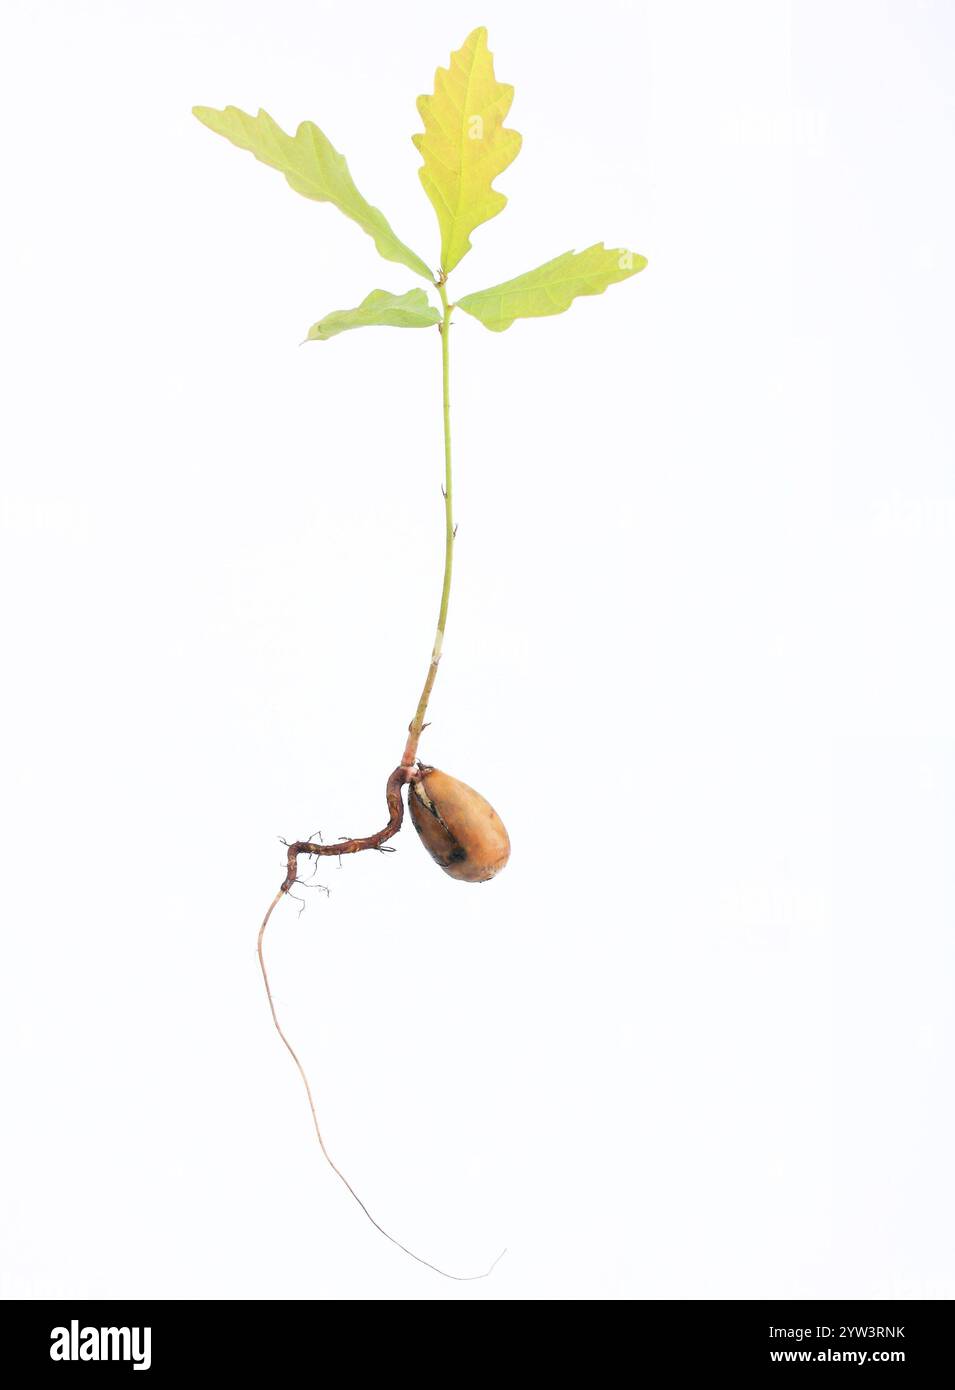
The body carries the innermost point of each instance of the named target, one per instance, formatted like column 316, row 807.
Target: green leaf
column 552, row 287
column 314, row 168
column 465, row 145
column 410, row 310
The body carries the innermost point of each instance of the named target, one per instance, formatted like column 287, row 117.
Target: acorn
column 460, row 830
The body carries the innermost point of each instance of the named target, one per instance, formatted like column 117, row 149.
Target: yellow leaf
column 552, row 287
column 314, row 168
column 465, row 145
column 409, row 310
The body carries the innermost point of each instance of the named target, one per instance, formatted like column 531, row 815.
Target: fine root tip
column 459, row 1278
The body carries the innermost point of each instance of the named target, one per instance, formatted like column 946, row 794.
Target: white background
column 698, row 1039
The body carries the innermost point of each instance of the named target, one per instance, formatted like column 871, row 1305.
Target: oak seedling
column 464, row 146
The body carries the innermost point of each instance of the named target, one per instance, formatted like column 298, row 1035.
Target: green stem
column 417, row 724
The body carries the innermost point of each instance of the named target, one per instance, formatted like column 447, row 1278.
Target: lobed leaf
column 314, row 168
column 411, row 310
column 465, row 145
column 552, row 287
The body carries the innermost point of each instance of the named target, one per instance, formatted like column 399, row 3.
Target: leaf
column 552, row 287
column 465, row 145
column 411, row 310
column 314, row 168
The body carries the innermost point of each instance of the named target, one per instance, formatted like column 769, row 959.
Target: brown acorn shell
column 460, row 830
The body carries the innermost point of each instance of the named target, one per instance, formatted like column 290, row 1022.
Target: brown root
column 396, row 781
column 396, row 812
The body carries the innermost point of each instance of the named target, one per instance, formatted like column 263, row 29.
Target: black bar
column 755, row 1340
